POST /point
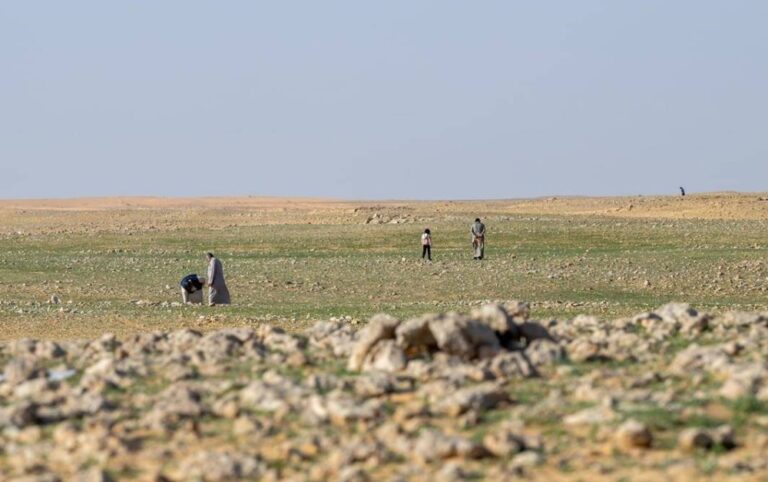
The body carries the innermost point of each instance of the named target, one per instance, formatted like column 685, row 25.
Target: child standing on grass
column 426, row 245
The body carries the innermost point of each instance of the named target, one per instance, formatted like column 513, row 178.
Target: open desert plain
column 599, row 339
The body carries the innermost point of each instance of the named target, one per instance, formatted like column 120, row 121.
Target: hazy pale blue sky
column 395, row 99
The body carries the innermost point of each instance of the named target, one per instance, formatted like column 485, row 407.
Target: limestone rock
column 694, row 438
column 712, row 359
column 526, row 460
column 689, row 321
column 385, row 356
column 591, row 416
column 380, row 327
column 510, row 365
column 375, row 384
column 584, row 350
column 334, row 336
column 532, row 330
column 544, row 352
column 21, row 369
column 433, row 445
column 479, row 397
column 495, row 317
column 633, row 435
column 209, row 466
column 415, row 334
column 503, row 442
column 448, row 332
column 458, row 335
column 724, row 437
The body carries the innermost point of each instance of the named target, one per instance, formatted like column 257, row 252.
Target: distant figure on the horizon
column 478, row 238
column 426, row 245
column 682, row 191
column 218, row 294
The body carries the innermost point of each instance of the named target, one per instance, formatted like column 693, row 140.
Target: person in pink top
column 426, row 245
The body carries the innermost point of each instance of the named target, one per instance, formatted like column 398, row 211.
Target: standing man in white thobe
column 218, row 294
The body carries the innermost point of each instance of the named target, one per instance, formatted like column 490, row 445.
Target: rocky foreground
column 490, row 395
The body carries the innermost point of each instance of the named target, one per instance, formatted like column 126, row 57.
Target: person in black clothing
column 192, row 289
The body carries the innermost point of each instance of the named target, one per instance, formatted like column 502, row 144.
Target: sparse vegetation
column 117, row 268
column 621, row 395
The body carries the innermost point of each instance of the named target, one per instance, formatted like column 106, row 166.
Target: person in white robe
column 218, row 294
